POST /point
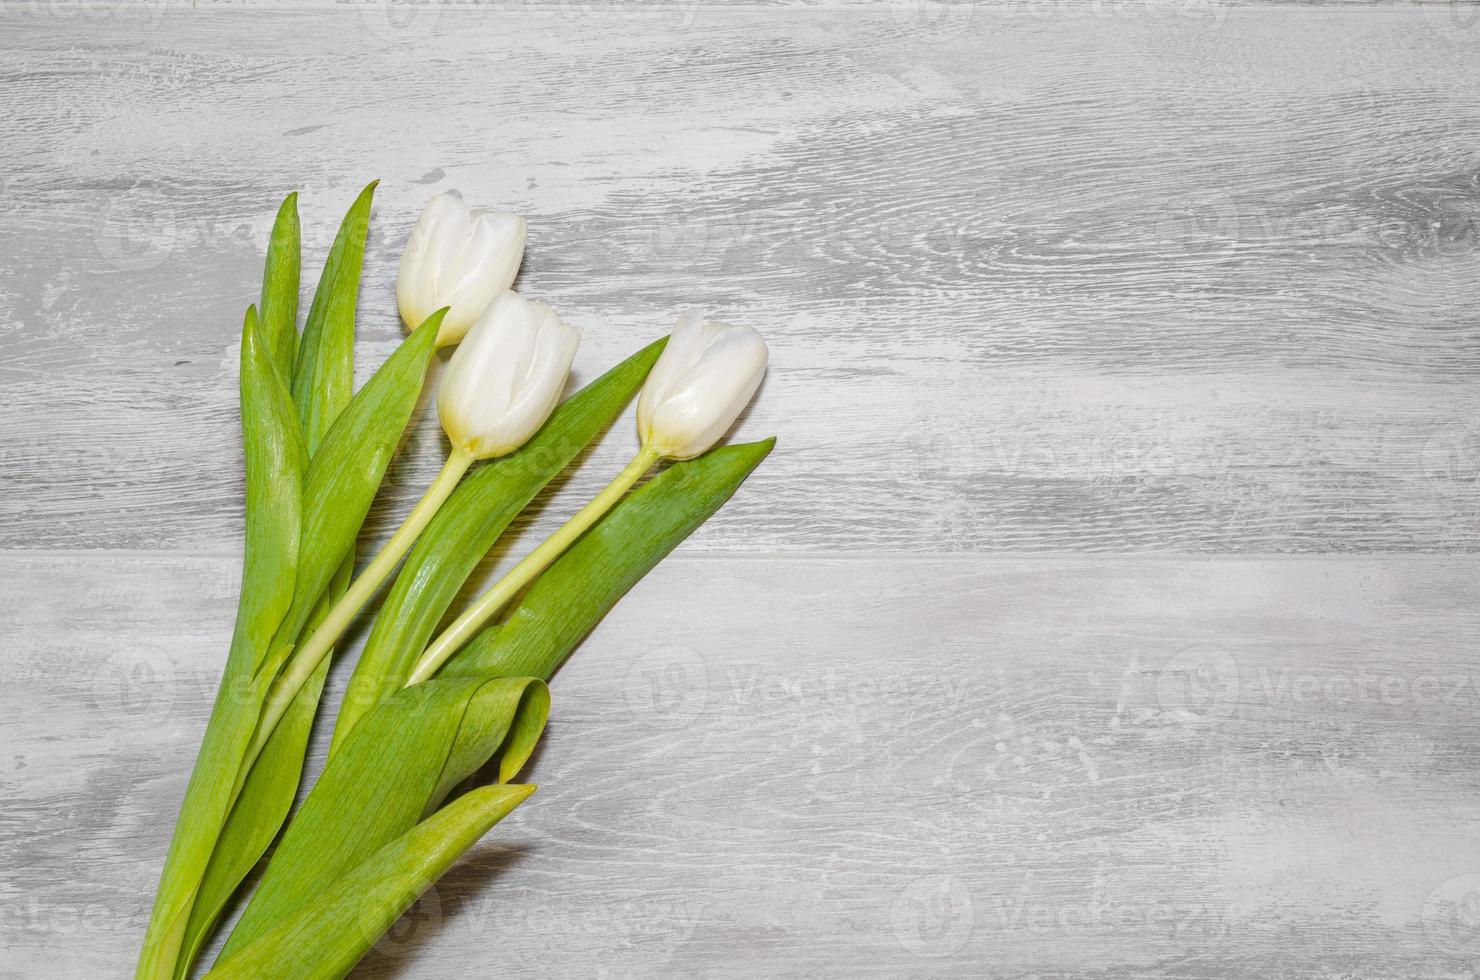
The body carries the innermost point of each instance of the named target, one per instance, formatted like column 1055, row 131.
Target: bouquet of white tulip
column 421, row 714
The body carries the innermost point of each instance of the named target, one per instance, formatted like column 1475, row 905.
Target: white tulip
column 457, row 257
column 701, row 384
column 704, row 379
column 506, row 376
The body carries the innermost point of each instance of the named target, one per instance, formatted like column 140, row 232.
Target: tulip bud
column 460, row 258
column 700, row 385
column 506, row 376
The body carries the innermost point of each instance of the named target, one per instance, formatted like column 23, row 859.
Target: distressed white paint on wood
column 906, row 767
column 1044, row 282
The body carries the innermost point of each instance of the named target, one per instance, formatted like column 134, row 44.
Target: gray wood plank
column 1141, row 279
column 1035, row 280
column 903, row 767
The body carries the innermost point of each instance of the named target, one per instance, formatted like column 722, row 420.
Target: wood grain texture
column 908, row 767
column 1115, row 574
column 1033, row 283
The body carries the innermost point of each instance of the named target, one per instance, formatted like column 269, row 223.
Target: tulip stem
column 306, row 659
column 490, row 602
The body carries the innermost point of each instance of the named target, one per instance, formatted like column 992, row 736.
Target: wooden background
column 1108, row 608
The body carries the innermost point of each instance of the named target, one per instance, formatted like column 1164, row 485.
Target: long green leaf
column 279, row 304
column 466, row 528
column 330, row 936
column 274, row 472
column 396, row 768
column 346, row 472
column 265, row 799
column 557, row 611
column 342, row 480
column 323, row 373
column 574, row 593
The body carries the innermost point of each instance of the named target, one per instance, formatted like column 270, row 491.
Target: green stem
column 306, row 659
column 525, row 572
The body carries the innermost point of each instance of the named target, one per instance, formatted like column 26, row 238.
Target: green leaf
column 331, row 934
column 323, row 374
column 275, row 465
column 274, row 472
column 396, row 768
column 562, row 605
column 465, row 529
column 341, row 482
column 574, row 593
column 346, row 472
column 280, row 289
column 266, row 796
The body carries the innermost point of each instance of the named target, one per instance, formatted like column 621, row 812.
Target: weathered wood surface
column 907, row 767
column 1121, row 352
column 1034, row 282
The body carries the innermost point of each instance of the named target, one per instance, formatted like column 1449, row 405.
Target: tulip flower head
column 460, row 258
column 701, row 384
column 506, row 376
column 704, row 378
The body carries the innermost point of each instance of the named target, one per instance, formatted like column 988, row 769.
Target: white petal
column 447, row 222
column 716, row 371
column 506, row 376
column 685, row 346
column 485, row 268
